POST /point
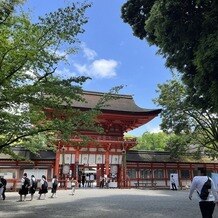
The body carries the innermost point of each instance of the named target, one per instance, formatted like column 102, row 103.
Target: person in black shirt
column 25, row 184
column 4, row 182
column 33, row 186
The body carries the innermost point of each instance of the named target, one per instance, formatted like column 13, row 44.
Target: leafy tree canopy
column 186, row 33
column 180, row 118
column 152, row 141
column 178, row 146
column 29, row 56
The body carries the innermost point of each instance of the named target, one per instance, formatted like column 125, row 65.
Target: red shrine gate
column 107, row 159
column 105, row 153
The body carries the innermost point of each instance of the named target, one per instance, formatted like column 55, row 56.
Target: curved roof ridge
column 103, row 93
column 122, row 103
column 149, row 152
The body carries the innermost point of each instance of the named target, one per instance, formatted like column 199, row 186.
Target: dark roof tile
column 123, row 103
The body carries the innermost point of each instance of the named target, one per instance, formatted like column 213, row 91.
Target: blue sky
column 112, row 56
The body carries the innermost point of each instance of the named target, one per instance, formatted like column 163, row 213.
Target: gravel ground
column 128, row 203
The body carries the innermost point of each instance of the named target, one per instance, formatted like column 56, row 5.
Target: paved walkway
column 105, row 203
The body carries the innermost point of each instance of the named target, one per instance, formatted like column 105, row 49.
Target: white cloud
column 88, row 53
column 101, row 68
column 64, row 73
column 155, row 130
column 145, row 128
column 31, row 74
column 59, row 53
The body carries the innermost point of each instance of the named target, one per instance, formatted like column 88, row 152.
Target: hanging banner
column 92, row 159
column 67, row 158
column 66, row 169
column 99, row 159
column 114, row 159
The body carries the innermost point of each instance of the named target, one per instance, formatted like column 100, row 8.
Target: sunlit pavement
column 104, row 203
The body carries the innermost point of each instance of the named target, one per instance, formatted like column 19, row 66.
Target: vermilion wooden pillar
column 102, row 169
column 76, row 163
column 107, row 162
column 57, row 160
column 98, row 175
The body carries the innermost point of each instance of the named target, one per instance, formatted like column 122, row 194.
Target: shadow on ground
column 164, row 205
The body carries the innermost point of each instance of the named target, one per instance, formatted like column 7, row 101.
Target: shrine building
column 108, row 154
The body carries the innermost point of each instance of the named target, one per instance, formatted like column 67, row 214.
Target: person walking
column 79, row 180
column 4, row 184
column 1, row 189
column 33, row 186
column 173, row 183
column 101, row 182
column 83, row 180
column 25, row 184
column 206, row 206
column 54, row 187
column 43, row 188
column 73, row 185
column 92, row 178
column 87, row 180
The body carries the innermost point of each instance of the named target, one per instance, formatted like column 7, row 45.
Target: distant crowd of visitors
column 204, row 186
column 30, row 186
column 86, row 180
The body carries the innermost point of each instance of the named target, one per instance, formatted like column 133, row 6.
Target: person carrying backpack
column 54, row 186
column 207, row 194
column 3, row 181
column 44, row 187
column 25, row 184
column 1, row 188
column 33, row 186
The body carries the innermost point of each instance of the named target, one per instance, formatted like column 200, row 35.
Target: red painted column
column 107, row 162
column 77, row 155
column 165, row 174
column 98, row 175
column 77, row 163
column 102, row 169
column 57, row 160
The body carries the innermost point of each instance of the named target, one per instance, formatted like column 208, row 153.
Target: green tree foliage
column 186, row 33
column 180, row 118
column 29, row 86
column 178, row 145
column 152, row 141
